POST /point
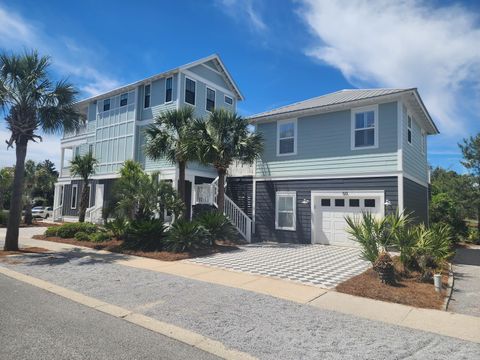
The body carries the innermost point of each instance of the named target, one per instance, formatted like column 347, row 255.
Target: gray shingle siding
column 415, row 200
column 265, row 203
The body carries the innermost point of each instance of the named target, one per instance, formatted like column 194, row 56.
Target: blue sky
column 278, row 51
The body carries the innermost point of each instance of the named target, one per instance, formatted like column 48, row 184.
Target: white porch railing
column 57, row 213
column 94, row 214
column 207, row 194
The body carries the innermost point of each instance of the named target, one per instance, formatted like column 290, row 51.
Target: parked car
column 42, row 212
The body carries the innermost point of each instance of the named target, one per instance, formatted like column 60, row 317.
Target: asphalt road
column 35, row 324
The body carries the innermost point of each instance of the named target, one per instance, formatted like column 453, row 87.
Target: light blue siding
column 324, row 146
column 414, row 159
column 157, row 98
column 210, row 75
column 147, row 163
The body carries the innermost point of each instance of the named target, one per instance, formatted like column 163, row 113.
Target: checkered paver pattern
column 321, row 265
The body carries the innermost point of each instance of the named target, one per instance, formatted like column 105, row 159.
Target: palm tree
column 84, row 167
column 32, row 103
column 168, row 137
column 220, row 140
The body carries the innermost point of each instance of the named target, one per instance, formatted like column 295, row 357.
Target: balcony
column 82, row 130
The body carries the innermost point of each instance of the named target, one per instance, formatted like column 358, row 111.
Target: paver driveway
column 320, row 265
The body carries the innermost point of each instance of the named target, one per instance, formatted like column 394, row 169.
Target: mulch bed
column 27, row 250
column 116, row 246
column 408, row 290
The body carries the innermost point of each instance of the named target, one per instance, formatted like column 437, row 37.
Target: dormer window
column 364, row 128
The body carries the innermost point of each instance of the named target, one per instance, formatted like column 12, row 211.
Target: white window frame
column 355, row 111
column 89, row 195
column 279, row 194
column 206, row 98
column 72, row 205
column 295, row 136
column 225, row 100
column 62, row 193
column 171, row 100
column 120, row 100
column 145, row 95
column 410, row 129
column 109, row 104
column 185, row 92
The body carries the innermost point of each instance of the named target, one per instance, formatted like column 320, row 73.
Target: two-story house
column 114, row 130
column 337, row 155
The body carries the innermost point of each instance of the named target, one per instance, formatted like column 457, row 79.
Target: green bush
column 82, row 236
column 186, row 236
column 473, row 236
column 51, row 231
column 145, row 235
column 444, row 210
column 117, row 227
column 217, row 225
column 3, row 218
column 69, row 230
column 99, row 236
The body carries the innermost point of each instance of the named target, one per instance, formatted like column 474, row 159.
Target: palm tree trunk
column 11, row 239
column 28, row 217
column 221, row 190
column 83, row 201
column 181, row 185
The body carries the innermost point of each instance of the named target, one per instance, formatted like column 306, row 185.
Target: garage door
column 330, row 210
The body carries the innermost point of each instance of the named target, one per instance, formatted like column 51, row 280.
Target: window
column 123, row 99
column 73, row 203
column 286, row 135
column 89, row 194
column 409, row 129
column 106, row 104
column 340, row 202
column 210, row 105
column 369, row 202
column 364, row 129
column 354, row 202
column 146, row 96
column 168, row 89
column 285, row 214
column 60, row 202
column 228, row 100
column 90, row 148
column 190, row 91
column 325, row 202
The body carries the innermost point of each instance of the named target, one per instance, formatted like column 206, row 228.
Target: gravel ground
column 266, row 327
column 466, row 289
column 36, row 324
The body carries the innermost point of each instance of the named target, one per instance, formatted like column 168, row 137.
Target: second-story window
column 424, row 142
column 168, row 89
column 228, row 100
column 106, row 104
column 123, row 99
column 364, row 133
column 287, row 137
column 146, row 97
column 210, row 105
column 190, row 91
column 409, row 129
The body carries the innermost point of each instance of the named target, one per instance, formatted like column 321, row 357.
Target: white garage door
column 330, row 210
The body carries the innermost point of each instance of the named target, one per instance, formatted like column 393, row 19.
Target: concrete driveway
column 321, row 265
column 466, row 289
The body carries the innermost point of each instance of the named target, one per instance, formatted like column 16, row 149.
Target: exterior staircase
column 207, row 194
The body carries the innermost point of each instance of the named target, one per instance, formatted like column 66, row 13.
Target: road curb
column 185, row 336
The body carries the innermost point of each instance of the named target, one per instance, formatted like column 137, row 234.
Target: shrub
column 51, row 231
column 444, row 210
column 3, row 218
column 217, row 225
column 186, row 236
column 82, row 236
column 69, row 230
column 473, row 236
column 145, row 235
column 117, row 227
column 99, row 236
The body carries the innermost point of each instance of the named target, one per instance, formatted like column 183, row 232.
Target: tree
column 221, row 139
column 140, row 196
column 32, row 103
column 168, row 137
column 46, row 177
column 29, row 185
column 6, row 180
column 471, row 160
column 84, row 167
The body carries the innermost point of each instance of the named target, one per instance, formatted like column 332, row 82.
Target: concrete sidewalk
column 450, row 324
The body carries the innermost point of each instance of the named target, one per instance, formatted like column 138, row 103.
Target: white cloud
column 242, row 10
column 404, row 43
column 69, row 58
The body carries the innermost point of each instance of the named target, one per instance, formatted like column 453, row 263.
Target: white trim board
column 355, row 111
column 295, row 136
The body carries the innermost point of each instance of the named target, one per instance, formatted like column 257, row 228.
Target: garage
column 329, row 210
